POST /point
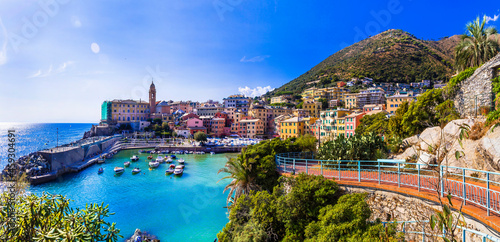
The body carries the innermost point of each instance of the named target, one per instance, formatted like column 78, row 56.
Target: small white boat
column 119, row 169
column 169, row 171
column 136, row 170
column 169, row 159
column 178, row 170
column 100, row 160
column 160, row 159
column 154, row 164
column 181, row 166
column 212, row 153
column 181, row 161
column 134, row 158
column 126, row 164
column 203, row 152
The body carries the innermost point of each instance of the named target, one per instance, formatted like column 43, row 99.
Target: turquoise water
column 186, row 208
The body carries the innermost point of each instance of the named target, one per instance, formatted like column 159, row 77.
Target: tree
column 307, row 143
column 396, row 128
column 200, row 136
column 373, row 123
column 477, row 45
column 50, row 218
column 242, row 180
column 428, row 111
column 356, row 147
column 324, row 103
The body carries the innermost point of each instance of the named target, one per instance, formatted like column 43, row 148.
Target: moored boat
column 100, row 160
column 154, row 164
column 212, row 153
column 181, row 161
column 134, row 158
column 178, row 170
column 173, row 156
column 169, row 160
column 126, row 164
column 172, row 166
column 100, row 171
column 160, row 159
column 169, row 171
column 150, row 157
column 136, row 170
column 119, row 169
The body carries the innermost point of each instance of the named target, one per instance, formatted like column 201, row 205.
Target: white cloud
column 258, row 91
column 62, row 68
column 493, row 19
column 255, row 59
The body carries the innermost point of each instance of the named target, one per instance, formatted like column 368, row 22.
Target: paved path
column 424, row 186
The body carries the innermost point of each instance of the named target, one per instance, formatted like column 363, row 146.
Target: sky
column 60, row 59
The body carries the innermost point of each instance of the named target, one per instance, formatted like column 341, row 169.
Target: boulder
column 430, row 136
column 490, row 145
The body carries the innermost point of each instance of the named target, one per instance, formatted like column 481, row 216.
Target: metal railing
column 481, row 188
column 409, row 228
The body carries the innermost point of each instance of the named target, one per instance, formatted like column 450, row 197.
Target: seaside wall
column 92, row 151
column 476, row 91
column 64, row 158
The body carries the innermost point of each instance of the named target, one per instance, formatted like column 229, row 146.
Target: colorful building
column 393, row 102
column 351, row 123
column 238, row 101
column 313, row 107
column 292, row 127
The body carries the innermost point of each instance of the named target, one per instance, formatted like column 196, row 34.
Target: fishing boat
column 212, row 153
column 169, row 159
column 172, row 166
column 119, row 170
column 178, row 170
column 181, row 161
column 152, row 152
column 134, row 158
column 182, row 166
column 136, row 170
column 173, row 156
column 141, row 151
column 100, row 160
column 100, row 171
column 126, row 164
column 154, row 164
column 160, row 159
column 150, row 157
column 169, row 171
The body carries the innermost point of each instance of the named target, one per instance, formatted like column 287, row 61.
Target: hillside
column 391, row 56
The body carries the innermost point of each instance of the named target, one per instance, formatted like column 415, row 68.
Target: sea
column 190, row 207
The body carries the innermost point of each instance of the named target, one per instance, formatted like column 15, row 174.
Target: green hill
column 391, row 56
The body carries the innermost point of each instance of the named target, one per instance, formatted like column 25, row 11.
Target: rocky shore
column 142, row 237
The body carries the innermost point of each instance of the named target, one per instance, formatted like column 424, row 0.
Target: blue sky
column 60, row 59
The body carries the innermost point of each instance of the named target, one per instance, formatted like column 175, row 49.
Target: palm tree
column 477, row 45
column 242, row 182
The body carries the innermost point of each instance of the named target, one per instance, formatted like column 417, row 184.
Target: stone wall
column 391, row 206
column 476, row 91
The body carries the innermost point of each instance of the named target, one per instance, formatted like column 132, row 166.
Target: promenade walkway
column 479, row 190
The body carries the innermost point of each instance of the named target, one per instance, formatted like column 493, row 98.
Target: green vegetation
column 357, row 147
column 452, row 84
column 50, row 218
column 429, row 110
column 494, row 116
column 477, row 45
column 160, row 129
column 302, row 208
column 373, row 123
column 200, row 136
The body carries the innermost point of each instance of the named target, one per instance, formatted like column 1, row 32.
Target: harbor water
column 190, row 207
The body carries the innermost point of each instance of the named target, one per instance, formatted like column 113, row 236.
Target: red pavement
column 475, row 192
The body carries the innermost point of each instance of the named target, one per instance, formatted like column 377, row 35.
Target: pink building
column 194, row 125
column 351, row 123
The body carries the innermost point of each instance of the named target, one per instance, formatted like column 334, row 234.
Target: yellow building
column 393, row 102
column 309, row 93
column 126, row 111
column 308, row 125
column 313, row 107
column 351, row 100
column 292, row 127
column 327, row 93
column 281, row 99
